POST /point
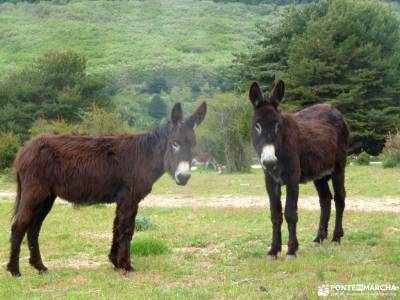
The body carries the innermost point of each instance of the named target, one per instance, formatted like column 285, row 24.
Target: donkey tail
column 18, row 198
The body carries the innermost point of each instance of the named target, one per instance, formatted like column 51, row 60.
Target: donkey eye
column 176, row 146
column 258, row 128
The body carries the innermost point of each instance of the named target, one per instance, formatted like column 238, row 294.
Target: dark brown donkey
column 295, row 148
column 98, row 169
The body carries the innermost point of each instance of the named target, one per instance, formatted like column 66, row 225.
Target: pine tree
column 342, row 52
column 157, row 108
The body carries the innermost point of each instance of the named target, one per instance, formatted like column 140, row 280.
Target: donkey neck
column 154, row 144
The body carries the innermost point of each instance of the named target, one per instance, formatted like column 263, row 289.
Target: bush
column 142, row 223
column 9, row 145
column 55, row 86
column 146, row 245
column 391, row 151
column 50, row 126
column 99, row 121
column 363, row 159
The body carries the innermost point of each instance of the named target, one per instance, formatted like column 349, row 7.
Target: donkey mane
column 149, row 139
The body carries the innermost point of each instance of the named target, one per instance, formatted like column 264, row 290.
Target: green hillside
column 184, row 45
column 133, row 38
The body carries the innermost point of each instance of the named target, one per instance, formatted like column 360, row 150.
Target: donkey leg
column 18, row 230
column 325, row 198
column 274, row 193
column 340, row 195
column 33, row 233
column 114, row 247
column 126, row 211
column 292, row 194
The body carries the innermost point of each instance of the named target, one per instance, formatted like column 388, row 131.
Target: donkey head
column 178, row 156
column 266, row 123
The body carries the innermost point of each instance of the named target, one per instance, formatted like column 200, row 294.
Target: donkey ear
column 279, row 91
column 176, row 114
column 255, row 94
column 198, row 116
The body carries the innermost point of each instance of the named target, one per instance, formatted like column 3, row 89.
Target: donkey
column 294, row 148
column 98, row 169
column 205, row 159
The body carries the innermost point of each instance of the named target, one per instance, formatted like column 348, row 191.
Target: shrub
column 391, row 151
column 142, row 223
column 50, row 126
column 99, row 121
column 363, row 159
column 55, row 86
column 9, row 145
column 147, row 245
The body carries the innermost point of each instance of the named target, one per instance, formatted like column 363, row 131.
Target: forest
column 118, row 66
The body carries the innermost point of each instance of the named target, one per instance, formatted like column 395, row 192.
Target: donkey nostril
column 183, row 178
column 267, row 164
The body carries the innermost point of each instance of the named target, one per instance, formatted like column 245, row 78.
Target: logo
column 326, row 290
column 323, row 290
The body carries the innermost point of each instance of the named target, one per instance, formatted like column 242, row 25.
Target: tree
column 56, row 86
column 156, row 85
column 342, row 52
column 226, row 131
column 9, row 145
column 157, row 108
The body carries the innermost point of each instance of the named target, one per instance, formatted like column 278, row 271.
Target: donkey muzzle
column 182, row 173
column 268, row 157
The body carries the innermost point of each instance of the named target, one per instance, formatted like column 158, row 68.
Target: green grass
column 214, row 253
column 129, row 35
column 361, row 181
column 147, row 245
column 189, row 43
column 7, row 182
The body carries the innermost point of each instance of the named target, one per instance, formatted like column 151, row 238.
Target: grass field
column 129, row 35
column 361, row 181
column 211, row 253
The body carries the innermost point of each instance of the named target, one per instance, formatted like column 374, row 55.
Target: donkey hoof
column 128, row 273
column 15, row 273
column 290, row 256
column 271, row 257
column 335, row 243
column 316, row 244
column 43, row 271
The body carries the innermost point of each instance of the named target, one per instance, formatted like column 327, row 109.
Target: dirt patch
column 384, row 204
column 97, row 235
column 74, row 263
column 211, row 248
column 82, row 261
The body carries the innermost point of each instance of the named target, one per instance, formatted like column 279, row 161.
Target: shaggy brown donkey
column 98, row 169
column 295, row 148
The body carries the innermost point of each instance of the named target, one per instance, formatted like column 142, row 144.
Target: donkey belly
column 316, row 167
column 86, row 192
column 314, row 176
